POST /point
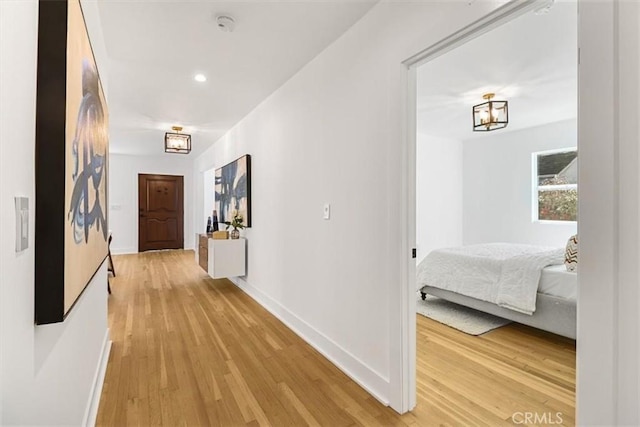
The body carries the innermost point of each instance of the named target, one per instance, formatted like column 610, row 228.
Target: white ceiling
column 156, row 47
column 530, row 62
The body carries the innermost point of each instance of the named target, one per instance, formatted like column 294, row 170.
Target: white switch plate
column 22, row 223
column 327, row 211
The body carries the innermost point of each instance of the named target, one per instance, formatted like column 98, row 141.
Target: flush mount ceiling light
column 490, row 115
column 200, row 78
column 176, row 142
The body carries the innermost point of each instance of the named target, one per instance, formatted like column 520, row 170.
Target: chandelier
column 490, row 115
column 176, row 142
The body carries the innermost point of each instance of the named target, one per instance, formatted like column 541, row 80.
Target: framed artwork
column 233, row 190
column 71, row 155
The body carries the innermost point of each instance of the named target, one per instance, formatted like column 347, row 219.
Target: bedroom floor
column 190, row 350
column 506, row 376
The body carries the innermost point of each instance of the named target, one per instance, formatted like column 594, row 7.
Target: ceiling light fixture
column 490, row 115
column 200, row 78
column 176, row 142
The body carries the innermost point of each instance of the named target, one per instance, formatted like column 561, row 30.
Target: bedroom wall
column 123, row 196
column 49, row 375
column 438, row 193
column 498, row 184
column 331, row 134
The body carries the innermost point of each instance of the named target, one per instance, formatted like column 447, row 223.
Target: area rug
column 465, row 319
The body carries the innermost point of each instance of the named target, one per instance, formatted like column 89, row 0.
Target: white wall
column 438, row 193
column 123, row 195
column 498, row 184
column 332, row 134
column 47, row 372
column 207, row 179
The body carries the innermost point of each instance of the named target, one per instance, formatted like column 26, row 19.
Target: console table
column 221, row 257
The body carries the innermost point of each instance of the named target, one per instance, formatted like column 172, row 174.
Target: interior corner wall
column 47, row 373
column 123, row 196
column 498, row 186
column 439, row 176
column 331, row 135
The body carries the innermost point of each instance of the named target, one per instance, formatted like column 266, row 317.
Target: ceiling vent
column 225, row 23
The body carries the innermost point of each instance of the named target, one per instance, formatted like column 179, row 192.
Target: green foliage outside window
column 558, row 205
column 557, row 186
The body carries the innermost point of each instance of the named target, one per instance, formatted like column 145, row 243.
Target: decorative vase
column 235, row 233
column 214, row 225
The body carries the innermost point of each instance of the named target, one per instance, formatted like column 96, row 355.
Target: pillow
column 571, row 254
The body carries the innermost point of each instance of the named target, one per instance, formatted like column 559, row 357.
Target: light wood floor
column 190, row 350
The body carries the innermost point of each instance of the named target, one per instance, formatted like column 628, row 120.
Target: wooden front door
column 161, row 212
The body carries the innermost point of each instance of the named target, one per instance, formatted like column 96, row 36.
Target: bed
column 523, row 283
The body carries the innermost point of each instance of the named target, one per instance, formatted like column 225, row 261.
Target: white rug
column 467, row 320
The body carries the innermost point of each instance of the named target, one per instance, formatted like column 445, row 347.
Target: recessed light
column 200, row 78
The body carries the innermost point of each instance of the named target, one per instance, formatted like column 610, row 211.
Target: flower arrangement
column 237, row 221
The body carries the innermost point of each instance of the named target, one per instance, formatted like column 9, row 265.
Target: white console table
column 224, row 257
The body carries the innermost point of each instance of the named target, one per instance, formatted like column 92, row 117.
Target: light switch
column 22, row 223
column 327, row 211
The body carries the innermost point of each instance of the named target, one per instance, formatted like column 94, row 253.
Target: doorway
column 499, row 17
column 160, row 212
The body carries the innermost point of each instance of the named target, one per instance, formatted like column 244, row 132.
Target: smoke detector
column 225, row 23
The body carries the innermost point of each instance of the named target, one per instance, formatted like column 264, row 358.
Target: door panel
column 162, row 230
column 162, row 195
column 161, row 216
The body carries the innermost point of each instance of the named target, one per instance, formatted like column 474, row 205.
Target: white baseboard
column 358, row 371
column 128, row 251
column 91, row 412
column 124, row 251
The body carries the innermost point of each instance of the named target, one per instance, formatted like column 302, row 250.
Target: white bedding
column 504, row 274
column 556, row 281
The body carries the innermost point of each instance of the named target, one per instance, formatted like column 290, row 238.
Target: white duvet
column 502, row 273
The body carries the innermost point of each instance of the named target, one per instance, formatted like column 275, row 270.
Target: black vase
column 215, row 221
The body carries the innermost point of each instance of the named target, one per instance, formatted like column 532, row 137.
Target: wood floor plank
column 190, row 350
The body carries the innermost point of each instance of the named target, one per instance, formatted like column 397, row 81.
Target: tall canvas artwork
column 233, row 190
column 71, row 162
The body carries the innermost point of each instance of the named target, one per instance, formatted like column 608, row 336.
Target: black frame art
column 71, row 159
column 233, row 190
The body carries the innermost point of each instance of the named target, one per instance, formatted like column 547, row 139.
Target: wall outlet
column 326, row 213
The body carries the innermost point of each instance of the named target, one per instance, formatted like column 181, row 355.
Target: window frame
column 536, row 188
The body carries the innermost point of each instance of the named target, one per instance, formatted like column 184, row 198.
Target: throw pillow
column 571, row 254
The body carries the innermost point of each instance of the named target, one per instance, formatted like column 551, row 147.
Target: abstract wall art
column 233, row 190
column 72, row 148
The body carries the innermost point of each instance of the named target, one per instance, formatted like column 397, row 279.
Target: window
column 555, row 185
